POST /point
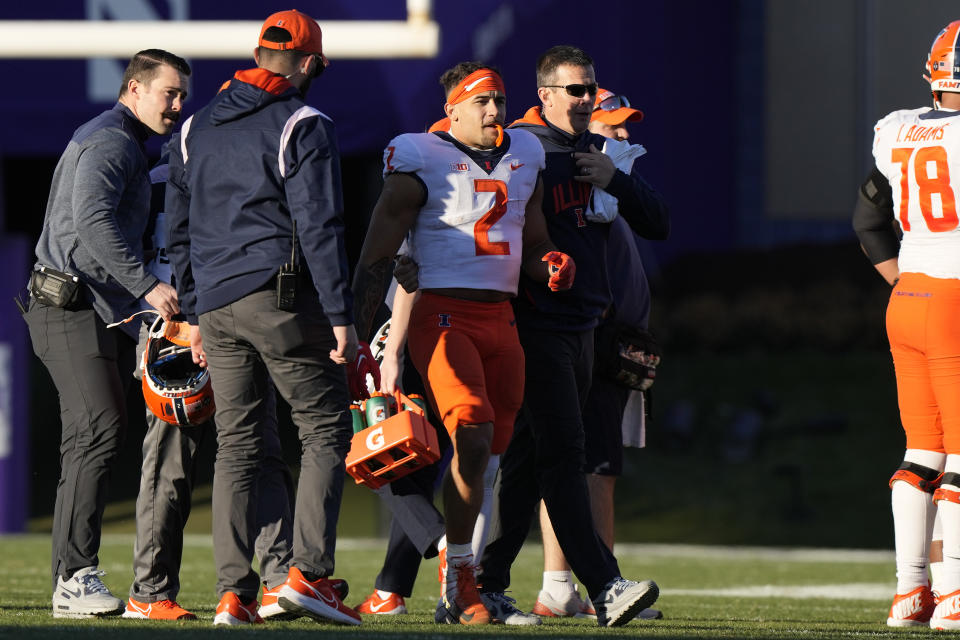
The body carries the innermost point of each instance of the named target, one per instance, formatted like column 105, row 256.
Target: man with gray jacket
column 90, row 273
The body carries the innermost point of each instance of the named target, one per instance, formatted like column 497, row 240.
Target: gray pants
column 91, row 367
column 247, row 343
column 163, row 503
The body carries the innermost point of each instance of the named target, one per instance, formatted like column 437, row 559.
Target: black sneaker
column 503, row 610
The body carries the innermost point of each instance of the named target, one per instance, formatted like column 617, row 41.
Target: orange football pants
column 470, row 359
column 923, row 326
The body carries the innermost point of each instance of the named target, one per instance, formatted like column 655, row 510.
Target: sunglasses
column 613, row 103
column 576, row 90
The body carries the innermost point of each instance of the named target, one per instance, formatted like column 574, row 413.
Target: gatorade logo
column 375, row 439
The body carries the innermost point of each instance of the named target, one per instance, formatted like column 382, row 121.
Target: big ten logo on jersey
column 925, row 174
column 459, row 166
column 572, row 196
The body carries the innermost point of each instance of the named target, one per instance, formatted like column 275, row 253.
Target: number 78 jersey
column 469, row 233
column 918, row 150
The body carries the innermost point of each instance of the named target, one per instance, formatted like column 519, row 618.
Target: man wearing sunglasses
column 545, row 458
column 256, row 239
column 611, row 113
column 605, row 414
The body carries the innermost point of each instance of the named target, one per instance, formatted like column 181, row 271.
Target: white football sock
column 458, row 551
column 457, row 556
column 950, row 520
column 383, row 595
column 936, row 567
column 913, row 515
column 558, row 584
column 482, row 527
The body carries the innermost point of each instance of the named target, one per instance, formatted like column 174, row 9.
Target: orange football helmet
column 943, row 63
column 175, row 389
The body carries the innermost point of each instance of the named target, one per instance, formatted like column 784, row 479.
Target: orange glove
column 562, row 270
column 357, row 372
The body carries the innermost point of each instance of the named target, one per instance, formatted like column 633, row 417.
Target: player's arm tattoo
column 369, row 286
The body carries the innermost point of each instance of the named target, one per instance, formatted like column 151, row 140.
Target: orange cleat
column 160, row 610
column 314, row 598
column 911, row 609
column 374, row 605
column 461, row 603
column 270, row 609
column 946, row 614
column 232, row 611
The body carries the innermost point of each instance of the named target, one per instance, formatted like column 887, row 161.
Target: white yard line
column 852, row 591
column 779, row 554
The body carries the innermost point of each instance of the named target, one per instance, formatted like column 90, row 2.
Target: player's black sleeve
column 873, row 218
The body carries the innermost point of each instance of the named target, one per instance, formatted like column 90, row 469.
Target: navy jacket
column 564, row 202
column 243, row 168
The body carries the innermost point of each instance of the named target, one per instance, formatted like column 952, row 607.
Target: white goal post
column 416, row 37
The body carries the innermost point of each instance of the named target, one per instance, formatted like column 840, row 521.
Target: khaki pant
column 163, row 503
column 247, row 343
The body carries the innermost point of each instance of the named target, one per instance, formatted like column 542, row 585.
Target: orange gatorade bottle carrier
column 394, row 447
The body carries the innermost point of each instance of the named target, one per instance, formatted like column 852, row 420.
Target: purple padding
column 15, row 254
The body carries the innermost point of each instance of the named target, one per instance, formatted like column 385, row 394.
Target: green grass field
column 706, row 592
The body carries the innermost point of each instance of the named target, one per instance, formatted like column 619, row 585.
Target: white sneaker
column 621, row 600
column 551, row 607
column 503, row 610
column 84, row 596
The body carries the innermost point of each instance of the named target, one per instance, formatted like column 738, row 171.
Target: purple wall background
column 676, row 64
column 14, row 387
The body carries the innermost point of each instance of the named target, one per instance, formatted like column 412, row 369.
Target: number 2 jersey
column 469, row 233
column 918, row 151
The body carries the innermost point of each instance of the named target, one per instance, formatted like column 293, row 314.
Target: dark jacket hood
column 249, row 91
column 553, row 138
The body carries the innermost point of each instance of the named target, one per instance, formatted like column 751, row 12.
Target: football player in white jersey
column 915, row 182
column 467, row 202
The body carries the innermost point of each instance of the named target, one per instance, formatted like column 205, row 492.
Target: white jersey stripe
column 298, row 115
column 184, row 130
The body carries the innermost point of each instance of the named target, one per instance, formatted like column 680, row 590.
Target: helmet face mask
column 943, row 63
column 175, row 389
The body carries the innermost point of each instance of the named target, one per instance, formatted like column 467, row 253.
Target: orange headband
column 479, row 81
